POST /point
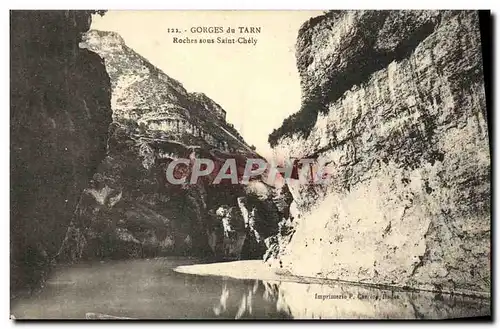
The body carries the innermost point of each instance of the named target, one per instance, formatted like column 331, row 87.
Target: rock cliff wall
column 59, row 117
column 394, row 103
column 130, row 209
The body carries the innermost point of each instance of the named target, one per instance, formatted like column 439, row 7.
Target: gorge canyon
column 393, row 101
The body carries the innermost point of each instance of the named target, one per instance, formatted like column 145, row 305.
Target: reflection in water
column 321, row 301
column 253, row 302
column 150, row 289
column 342, row 301
column 257, row 300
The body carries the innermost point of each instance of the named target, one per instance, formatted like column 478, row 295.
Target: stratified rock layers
column 60, row 112
column 398, row 111
column 130, row 209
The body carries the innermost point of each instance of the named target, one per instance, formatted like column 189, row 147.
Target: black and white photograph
column 250, row 164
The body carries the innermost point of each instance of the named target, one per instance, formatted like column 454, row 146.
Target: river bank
column 259, row 270
column 189, row 288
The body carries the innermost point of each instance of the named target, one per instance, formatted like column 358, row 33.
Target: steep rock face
column 394, row 104
column 144, row 94
column 60, row 112
column 130, row 209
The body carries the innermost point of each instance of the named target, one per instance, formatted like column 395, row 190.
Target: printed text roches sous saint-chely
column 218, row 40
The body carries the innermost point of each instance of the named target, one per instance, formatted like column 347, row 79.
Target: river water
column 151, row 289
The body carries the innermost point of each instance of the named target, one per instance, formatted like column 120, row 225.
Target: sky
column 258, row 85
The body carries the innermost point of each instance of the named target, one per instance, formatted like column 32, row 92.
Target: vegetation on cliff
column 408, row 203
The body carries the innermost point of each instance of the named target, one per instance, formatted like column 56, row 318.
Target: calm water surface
column 150, row 289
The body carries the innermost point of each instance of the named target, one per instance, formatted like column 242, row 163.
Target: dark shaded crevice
column 60, row 112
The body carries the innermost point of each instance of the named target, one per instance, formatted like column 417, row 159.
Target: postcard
column 233, row 164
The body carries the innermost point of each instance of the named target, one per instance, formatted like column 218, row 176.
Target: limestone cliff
column 59, row 117
column 130, row 209
column 394, row 102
